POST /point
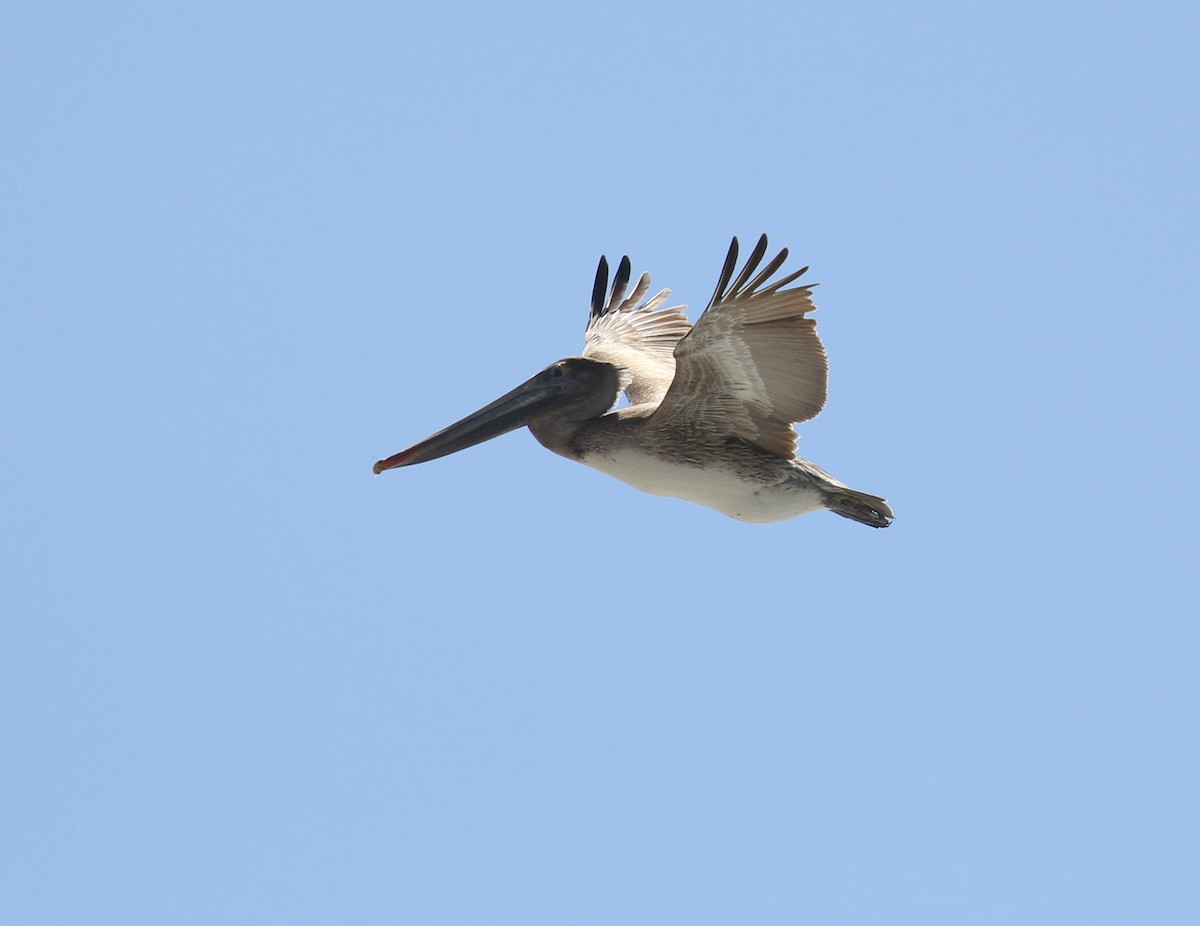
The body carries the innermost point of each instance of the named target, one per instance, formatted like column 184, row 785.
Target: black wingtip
column 726, row 271
column 620, row 282
column 600, row 287
column 752, row 262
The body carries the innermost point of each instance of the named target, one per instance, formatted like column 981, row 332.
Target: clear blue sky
column 250, row 248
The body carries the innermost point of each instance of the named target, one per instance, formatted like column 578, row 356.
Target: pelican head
column 557, row 399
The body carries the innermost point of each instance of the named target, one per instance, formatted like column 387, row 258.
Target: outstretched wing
column 753, row 363
column 637, row 337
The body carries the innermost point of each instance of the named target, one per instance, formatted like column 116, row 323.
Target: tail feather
column 859, row 506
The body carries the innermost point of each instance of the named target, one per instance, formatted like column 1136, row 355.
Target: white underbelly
column 713, row 486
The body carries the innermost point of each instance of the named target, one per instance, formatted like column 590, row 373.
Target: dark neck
column 557, row 432
column 559, row 428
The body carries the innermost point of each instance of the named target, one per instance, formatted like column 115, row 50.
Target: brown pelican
column 710, row 407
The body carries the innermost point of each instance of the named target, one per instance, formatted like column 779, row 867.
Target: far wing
column 637, row 337
column 753, row 363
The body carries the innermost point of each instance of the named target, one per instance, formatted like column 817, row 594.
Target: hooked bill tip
column 396, row 459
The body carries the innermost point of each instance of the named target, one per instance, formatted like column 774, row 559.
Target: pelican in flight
column 711, row 406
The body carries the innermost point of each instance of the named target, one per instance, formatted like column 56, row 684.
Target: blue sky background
column 250, row 248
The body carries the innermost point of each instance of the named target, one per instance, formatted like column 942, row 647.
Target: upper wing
column 632, row 335
column 753, row 363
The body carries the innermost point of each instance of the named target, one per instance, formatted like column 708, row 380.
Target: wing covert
column 634, row 334
column 753, row 363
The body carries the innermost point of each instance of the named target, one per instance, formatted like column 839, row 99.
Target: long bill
column 507, row 413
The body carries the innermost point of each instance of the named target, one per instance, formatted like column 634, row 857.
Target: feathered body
column 711, row 406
